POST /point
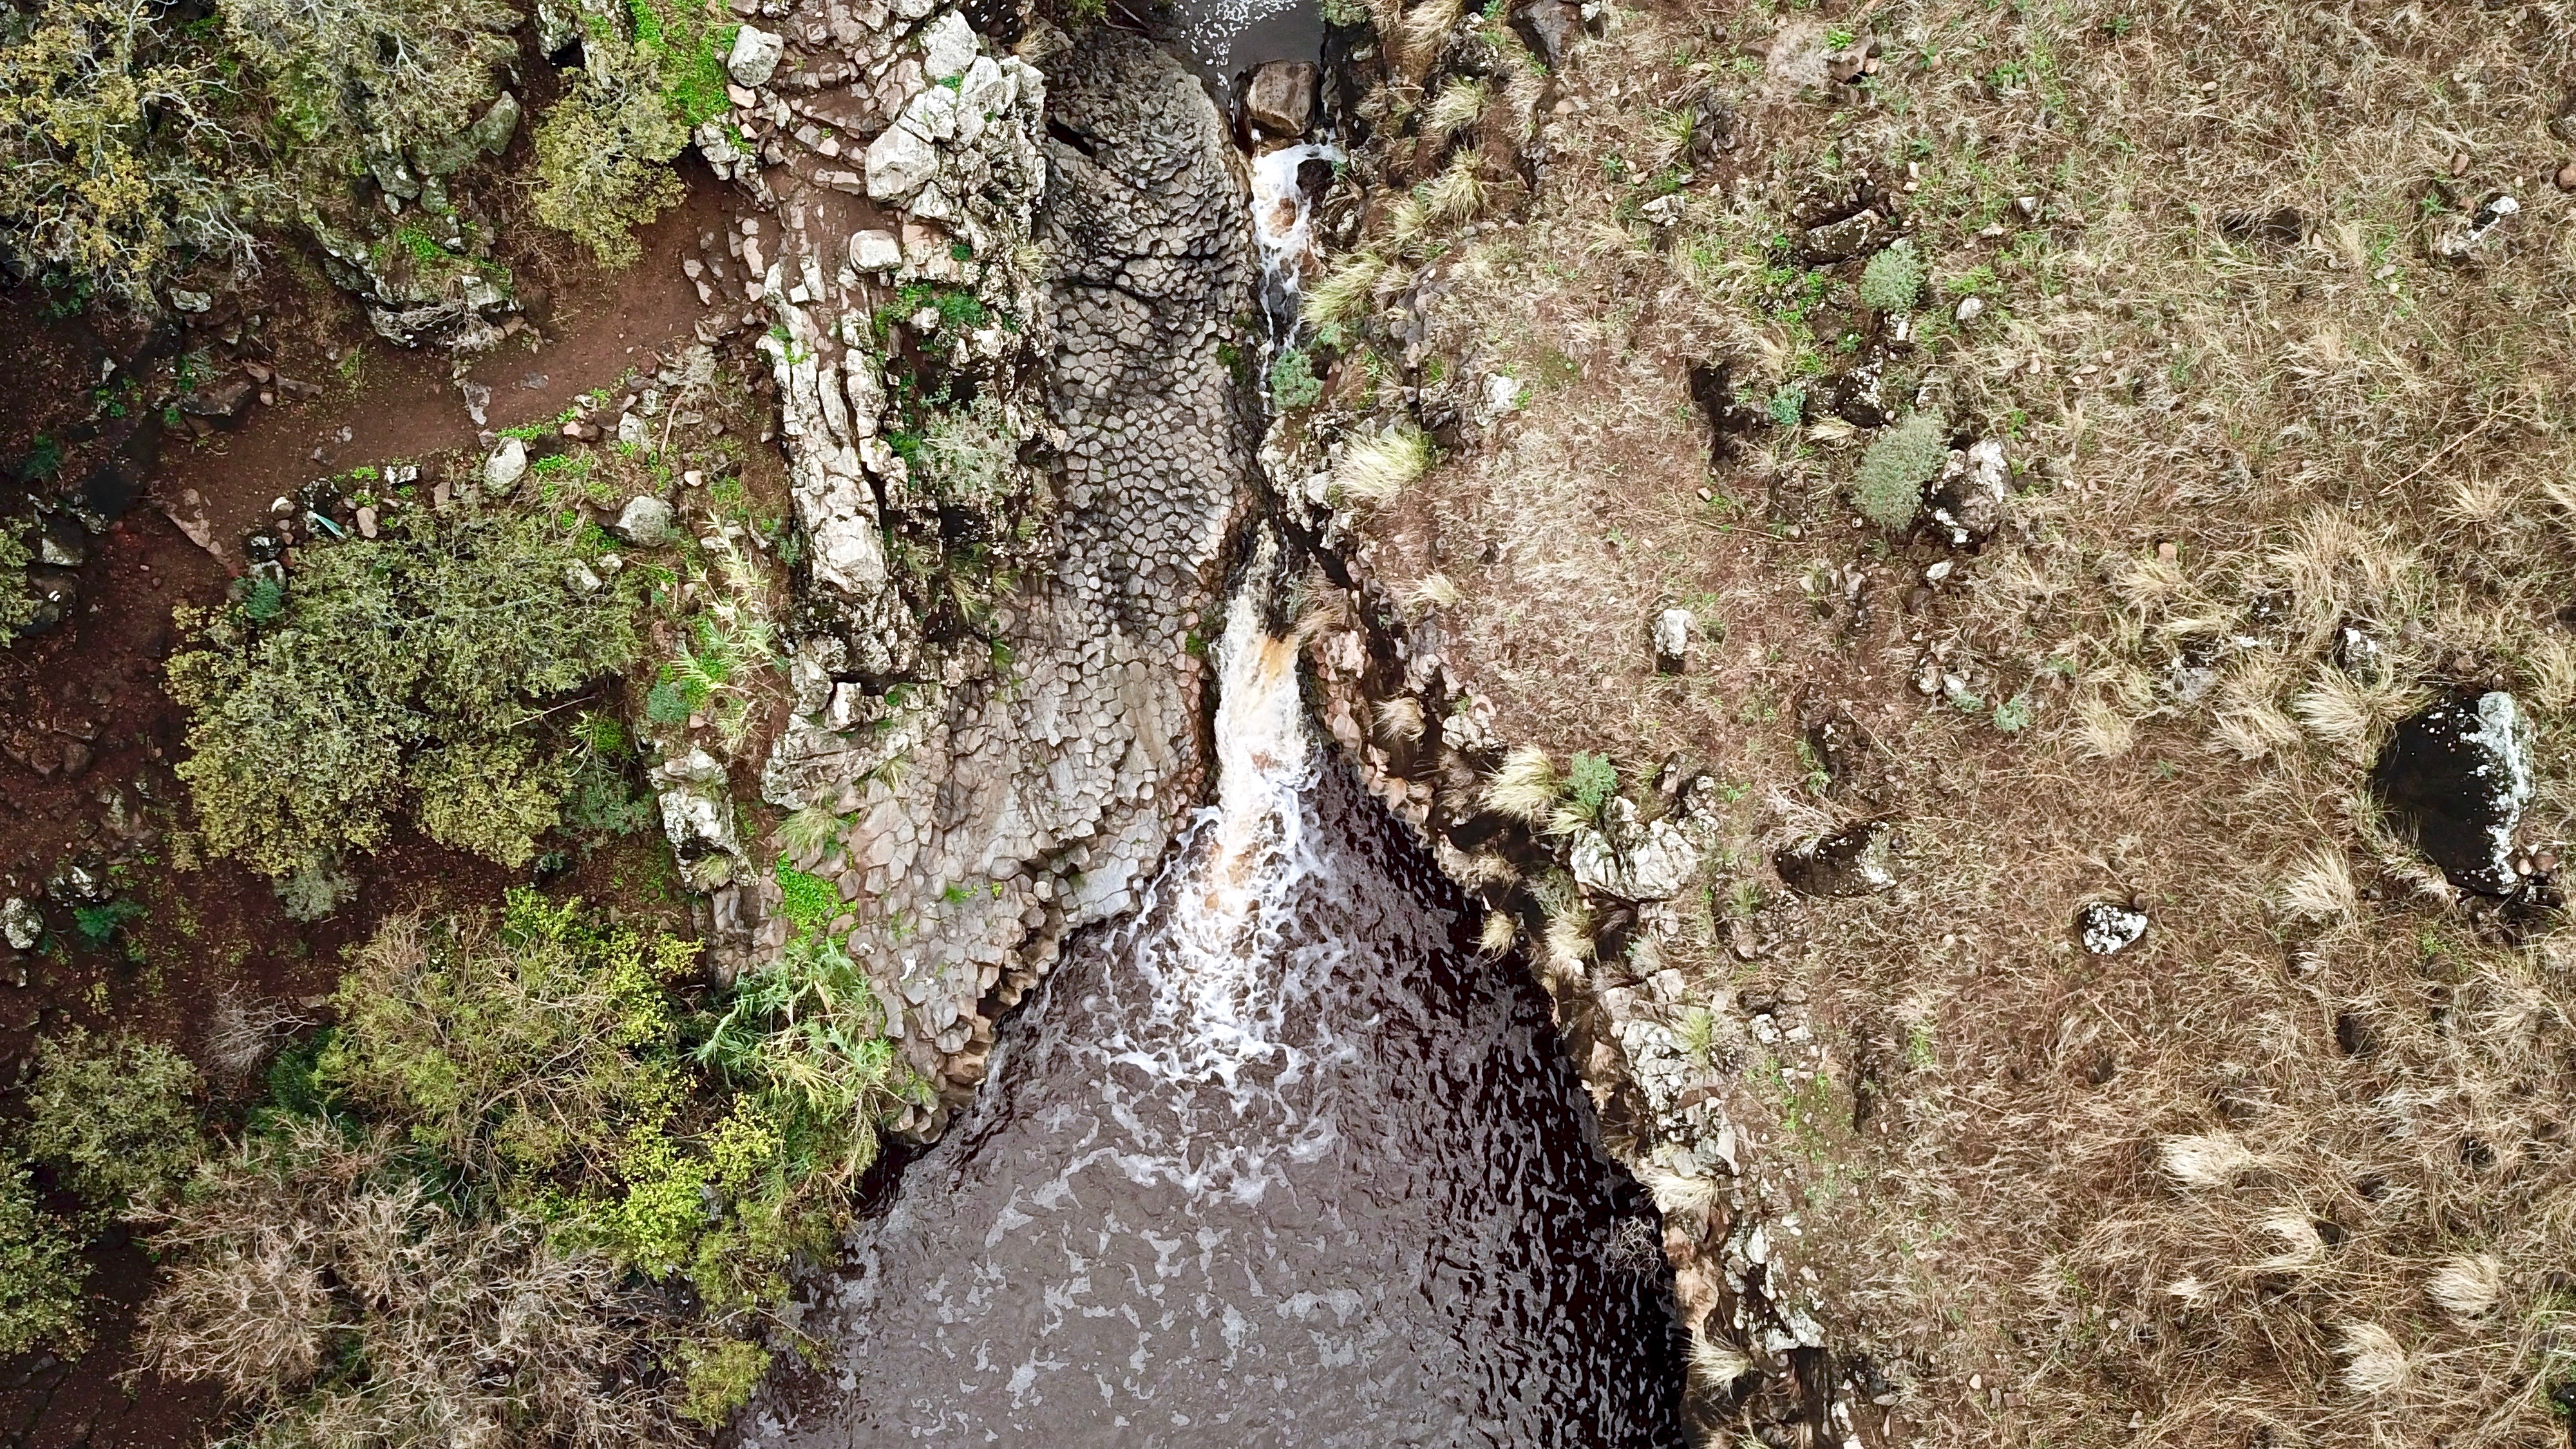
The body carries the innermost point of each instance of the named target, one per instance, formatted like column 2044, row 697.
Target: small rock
column 1856, row 235
column 581, row 578
column 645, row 522
column 2458, row 773
column 1970, row 309
column 1673, row 629
column 223, row 401
column 755, row 57
column 2105, row 928
column 366, row 522
column 2565, row 180
column 507, row 465
column 21, row 923
column 875, row 250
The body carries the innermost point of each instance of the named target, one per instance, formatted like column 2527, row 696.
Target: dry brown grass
column 336, row 1295
column 2296, row 1169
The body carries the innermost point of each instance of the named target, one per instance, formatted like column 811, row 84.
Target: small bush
column 351, row 1305
column 1892, row 280
column 112, row 1116
column 119, row 145
column 967, row 453
column 599, row 154
column 1293, row 383
column 41, row 1272
column 1590, row 781
column 1888, row 486
column 400, row 675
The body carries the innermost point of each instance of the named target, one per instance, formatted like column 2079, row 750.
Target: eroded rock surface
column 1001, row 793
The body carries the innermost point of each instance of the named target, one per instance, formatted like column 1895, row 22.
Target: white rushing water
column 1283, row 222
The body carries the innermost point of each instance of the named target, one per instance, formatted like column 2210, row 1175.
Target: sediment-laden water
column 1278, row 1162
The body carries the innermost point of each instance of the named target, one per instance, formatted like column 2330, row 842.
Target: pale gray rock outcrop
column 998, row 796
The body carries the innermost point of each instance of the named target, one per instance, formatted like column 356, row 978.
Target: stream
column 1279, row 1160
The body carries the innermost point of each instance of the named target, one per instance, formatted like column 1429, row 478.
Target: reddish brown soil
column 95, row 683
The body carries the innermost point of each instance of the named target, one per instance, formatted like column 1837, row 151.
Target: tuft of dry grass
column 1526, row 787
column 1375, row 468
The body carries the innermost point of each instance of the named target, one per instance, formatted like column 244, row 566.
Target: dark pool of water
column 1333, row 1186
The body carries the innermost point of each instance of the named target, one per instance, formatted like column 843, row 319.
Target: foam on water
column 1278, row 1161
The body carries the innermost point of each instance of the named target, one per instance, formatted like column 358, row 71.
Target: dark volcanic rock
column 2458, row 774
column 1851, row 862
column 1548, row 27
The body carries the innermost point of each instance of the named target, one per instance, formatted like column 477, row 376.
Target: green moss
column 810, row 902
column 1887, row 488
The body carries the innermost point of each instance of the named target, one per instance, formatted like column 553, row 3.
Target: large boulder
column 1280, row 98
column 2458, row 774
column 754, row 58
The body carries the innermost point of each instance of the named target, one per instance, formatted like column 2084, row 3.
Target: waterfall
column 1283, row 226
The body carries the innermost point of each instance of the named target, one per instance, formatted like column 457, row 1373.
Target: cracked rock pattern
column 994, row 807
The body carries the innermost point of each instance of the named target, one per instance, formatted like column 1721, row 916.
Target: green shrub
column 118, row 144
column 1293, row 383
column 354, row 83
column 1892, row 279
column 112, row 1116
column 41, row 1272
column 518, row 1043
column 400, row 675
column 599, row 154
column 1888, row 486
column 1591, row 780
column 98, row 925
column 804, row 1034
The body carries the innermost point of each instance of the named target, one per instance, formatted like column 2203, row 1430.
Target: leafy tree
column 599, row 161
column 112, row 1116
column 40, row 1271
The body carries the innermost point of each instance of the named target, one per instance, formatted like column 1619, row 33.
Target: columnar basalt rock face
column 1002, row 793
